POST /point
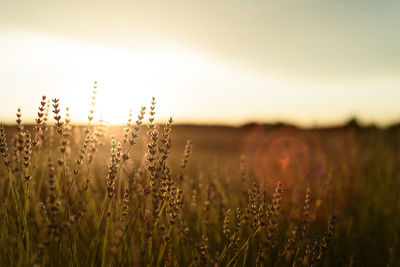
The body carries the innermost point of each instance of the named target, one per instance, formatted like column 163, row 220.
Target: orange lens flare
column 286, row 154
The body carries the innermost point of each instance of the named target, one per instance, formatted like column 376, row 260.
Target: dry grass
column 146, row 195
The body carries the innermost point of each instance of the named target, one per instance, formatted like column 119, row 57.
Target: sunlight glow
column 189, row 85
column 127, row 79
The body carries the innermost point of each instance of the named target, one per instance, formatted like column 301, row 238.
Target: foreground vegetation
column 83, row 196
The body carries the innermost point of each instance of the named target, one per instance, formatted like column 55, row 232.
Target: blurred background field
column 352, row 171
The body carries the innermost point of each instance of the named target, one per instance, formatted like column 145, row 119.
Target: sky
column 208, row 62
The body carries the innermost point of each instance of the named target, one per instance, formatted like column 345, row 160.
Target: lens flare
column 286, row 154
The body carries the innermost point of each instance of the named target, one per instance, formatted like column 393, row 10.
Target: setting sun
column 128, row 78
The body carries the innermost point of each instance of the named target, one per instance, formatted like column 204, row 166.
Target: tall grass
column 71, row 196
